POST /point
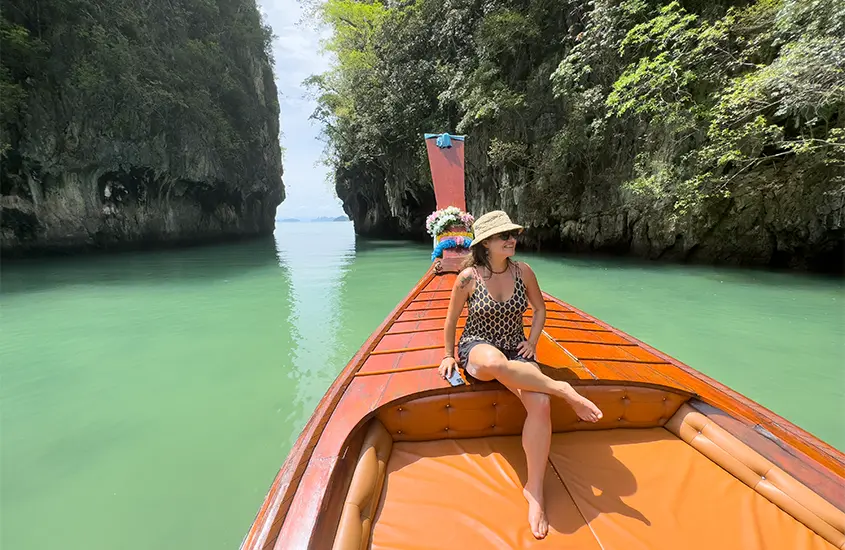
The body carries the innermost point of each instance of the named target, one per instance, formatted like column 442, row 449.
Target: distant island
column 320, row 219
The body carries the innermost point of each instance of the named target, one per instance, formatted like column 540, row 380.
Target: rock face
column 107, row 205
column 164, row 129
column 772, row 219
column 683, row 131
column 385, row 206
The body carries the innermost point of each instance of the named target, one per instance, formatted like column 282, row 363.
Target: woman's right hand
column 447, row 365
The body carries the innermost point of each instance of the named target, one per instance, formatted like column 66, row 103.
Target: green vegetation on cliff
column 126, row 120
column 711, row 131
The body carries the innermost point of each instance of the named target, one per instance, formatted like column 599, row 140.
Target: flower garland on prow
column 449, row 228
column 439, row 220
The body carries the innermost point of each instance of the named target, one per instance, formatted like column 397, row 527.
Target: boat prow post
column 450, row 225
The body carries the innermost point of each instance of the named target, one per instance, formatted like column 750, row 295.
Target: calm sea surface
column 148, row 399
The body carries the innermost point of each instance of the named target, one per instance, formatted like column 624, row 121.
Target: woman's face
column 502, row 244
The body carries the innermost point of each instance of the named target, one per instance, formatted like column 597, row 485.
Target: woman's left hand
column 527, row 349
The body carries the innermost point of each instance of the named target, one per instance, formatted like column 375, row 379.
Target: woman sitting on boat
column 497, row 292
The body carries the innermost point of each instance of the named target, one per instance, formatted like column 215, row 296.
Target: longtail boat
column 396, row 457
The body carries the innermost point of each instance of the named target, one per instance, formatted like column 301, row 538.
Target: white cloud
column 296, row 50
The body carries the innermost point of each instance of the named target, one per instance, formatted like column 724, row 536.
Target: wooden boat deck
column 400, row 360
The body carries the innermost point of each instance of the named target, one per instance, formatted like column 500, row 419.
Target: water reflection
column 159, row 268
column 315, row 267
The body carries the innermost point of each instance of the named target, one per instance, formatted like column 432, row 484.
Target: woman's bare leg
column 485, row 362
column 536, row 441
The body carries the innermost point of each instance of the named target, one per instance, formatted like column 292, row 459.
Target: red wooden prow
column 447, row 170
column 446, row 160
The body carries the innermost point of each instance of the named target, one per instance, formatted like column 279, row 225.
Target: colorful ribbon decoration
column 447, row 234
column 449, row 242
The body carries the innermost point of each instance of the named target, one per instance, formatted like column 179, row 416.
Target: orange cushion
column 467, row 493
column 647, row 489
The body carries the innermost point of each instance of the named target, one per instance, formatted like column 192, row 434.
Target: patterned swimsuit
column 490, row 321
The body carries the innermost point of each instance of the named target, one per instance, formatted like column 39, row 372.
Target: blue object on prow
column 448, row 242
column 444, row 140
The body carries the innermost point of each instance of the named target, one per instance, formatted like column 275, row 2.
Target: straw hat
column 490, row 224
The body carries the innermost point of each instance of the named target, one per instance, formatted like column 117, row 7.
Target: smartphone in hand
column 456, row 379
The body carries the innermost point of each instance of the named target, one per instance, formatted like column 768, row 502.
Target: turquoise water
column 148, row 399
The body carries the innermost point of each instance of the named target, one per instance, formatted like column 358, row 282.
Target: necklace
column 499, row 272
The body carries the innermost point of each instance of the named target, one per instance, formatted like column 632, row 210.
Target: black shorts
column 465, row 347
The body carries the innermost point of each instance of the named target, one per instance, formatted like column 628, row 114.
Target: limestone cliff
column 686, row 130
column 771, row 219
column 129, row 123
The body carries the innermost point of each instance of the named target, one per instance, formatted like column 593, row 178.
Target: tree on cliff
column 139, row 98
column 613, row 124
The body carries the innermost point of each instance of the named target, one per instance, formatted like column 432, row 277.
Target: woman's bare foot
column 584, row 408
column 536, row 513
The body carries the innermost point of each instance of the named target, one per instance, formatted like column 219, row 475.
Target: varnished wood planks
column 422, row 324
column 596, row 336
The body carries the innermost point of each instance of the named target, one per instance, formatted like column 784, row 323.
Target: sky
column 296, row 50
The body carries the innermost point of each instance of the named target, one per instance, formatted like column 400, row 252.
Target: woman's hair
column 479, row 256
